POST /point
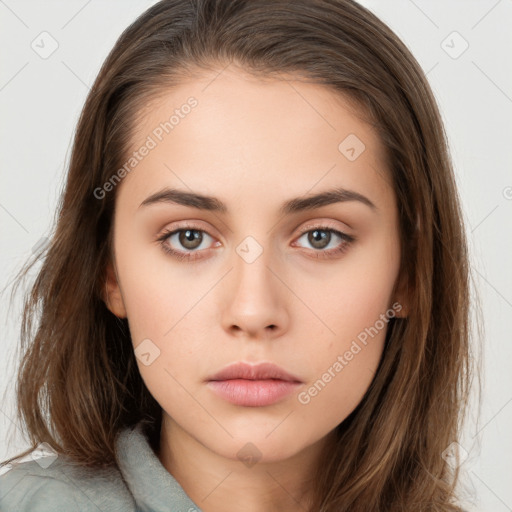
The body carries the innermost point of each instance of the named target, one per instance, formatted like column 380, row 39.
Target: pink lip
column 253, row 385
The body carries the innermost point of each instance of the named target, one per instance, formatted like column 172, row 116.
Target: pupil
column 318, row 238
column 190, row 238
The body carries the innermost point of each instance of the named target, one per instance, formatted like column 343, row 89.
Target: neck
column 219, row 484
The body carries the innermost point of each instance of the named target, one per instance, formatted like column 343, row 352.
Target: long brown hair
column 78, row 382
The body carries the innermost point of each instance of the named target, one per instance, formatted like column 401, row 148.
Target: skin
column 254, row 144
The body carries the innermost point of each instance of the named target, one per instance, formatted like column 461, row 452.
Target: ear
column 112, row 292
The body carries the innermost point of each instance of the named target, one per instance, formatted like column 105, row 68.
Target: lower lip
column 253, row 393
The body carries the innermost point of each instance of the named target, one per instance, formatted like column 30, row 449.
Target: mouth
column 249, row 385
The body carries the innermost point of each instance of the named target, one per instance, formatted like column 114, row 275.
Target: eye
column 321, row 237
column 189, row 242
column 183, row 243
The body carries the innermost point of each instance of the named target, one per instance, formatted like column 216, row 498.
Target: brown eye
column 190, row 238
column 319, row 238
column 325, row 242
column 186, row 241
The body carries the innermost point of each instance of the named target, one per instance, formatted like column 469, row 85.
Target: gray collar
column 153, row 488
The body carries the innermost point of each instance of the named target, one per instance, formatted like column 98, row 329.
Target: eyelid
column 192, row 224
column 186, row 224
column 322, row 224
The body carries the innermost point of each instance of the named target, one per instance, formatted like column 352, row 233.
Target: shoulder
column 54, row 484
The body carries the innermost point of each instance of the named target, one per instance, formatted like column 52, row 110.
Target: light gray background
column 40, row 100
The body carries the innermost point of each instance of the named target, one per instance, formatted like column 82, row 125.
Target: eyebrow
column 298, row 204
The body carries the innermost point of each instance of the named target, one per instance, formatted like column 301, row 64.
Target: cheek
column 159, row 295
column 351, row 298
column 356, row 310
column 341, row 380
column 166, row 308
column 169, row 323
column 343, row 366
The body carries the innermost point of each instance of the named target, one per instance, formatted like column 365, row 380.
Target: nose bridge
column 256, row 301
column 252, row 269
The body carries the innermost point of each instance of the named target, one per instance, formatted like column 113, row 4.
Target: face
column 253, row 271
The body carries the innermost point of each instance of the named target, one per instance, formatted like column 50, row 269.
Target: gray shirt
column 50, row 484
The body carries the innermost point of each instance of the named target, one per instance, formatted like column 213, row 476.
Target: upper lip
column 260, row 371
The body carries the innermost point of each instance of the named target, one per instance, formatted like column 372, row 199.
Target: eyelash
column 193, row 255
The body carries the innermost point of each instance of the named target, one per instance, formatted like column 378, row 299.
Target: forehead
column 245, row 130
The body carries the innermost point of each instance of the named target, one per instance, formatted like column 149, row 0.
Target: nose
column 254, row 304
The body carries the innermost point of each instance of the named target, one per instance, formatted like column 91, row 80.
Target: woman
column 256, row 295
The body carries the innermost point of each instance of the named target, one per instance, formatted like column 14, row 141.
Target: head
column 260, row 181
